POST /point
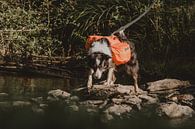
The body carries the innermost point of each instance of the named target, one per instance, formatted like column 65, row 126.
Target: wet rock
column 43, row 106
column 173, row 110
column 57, row 94
column 118, row 110
column 92, row 110
column 166, row 84
column 21, row 104
column 106, row 117
column 74, row 108
column 52, row 99
column 74, row 98
column 82, row 93
column 92, row 103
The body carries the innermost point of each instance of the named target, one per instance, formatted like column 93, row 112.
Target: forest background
column 164, row 38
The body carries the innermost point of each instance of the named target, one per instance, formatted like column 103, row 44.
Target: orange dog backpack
column 121, row 52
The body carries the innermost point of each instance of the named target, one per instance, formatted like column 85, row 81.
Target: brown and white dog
column 101, row 62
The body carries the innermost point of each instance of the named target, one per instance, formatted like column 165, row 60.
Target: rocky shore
column 170, row 98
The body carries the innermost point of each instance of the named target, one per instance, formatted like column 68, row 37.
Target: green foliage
column 54, row 27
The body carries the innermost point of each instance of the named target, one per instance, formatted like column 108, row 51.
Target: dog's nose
column 96, row 77
column 97, row 74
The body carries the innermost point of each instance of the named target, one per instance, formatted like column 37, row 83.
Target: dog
column 101, row 62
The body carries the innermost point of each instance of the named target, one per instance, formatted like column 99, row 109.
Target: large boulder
column 166, row 84
column 173, row 110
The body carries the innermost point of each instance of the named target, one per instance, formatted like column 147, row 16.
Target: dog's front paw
column 89, row 88
column 139, row 91
column 106, row 83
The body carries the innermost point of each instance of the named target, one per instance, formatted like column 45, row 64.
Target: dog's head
column 99, row 63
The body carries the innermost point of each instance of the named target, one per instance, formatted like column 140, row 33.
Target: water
column 59, row 117
column 25, row 87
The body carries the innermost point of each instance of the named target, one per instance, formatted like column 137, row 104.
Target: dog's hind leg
column 133, row 70
column 135, row 78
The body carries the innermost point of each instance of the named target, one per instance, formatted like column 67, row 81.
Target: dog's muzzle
column 97, row 74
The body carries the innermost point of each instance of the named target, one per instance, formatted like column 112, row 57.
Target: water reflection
column 21, row 87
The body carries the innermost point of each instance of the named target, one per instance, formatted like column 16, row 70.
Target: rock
column 134, row 101
column 74, row 98
column 148, row 99
column 103, row 92
column 166, row 84
column 91, row 103
column 173, row 110
column 82, row 92
column 92, row 110
column 43, row 105
column 186, row 99
column 165, row 92
column 131, row 100
column 106, row 117
column 21, row 104
column 118, row 110
column 52, row 99
column 74, row 108
column 125, row 89
column 118, row 100
column 58, row 94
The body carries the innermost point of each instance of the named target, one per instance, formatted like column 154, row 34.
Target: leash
column 121, row 29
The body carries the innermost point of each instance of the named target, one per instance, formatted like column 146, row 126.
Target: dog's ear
column 91, row 60
column 91, row 56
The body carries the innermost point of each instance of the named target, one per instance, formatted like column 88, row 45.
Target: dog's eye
column 104, row 64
